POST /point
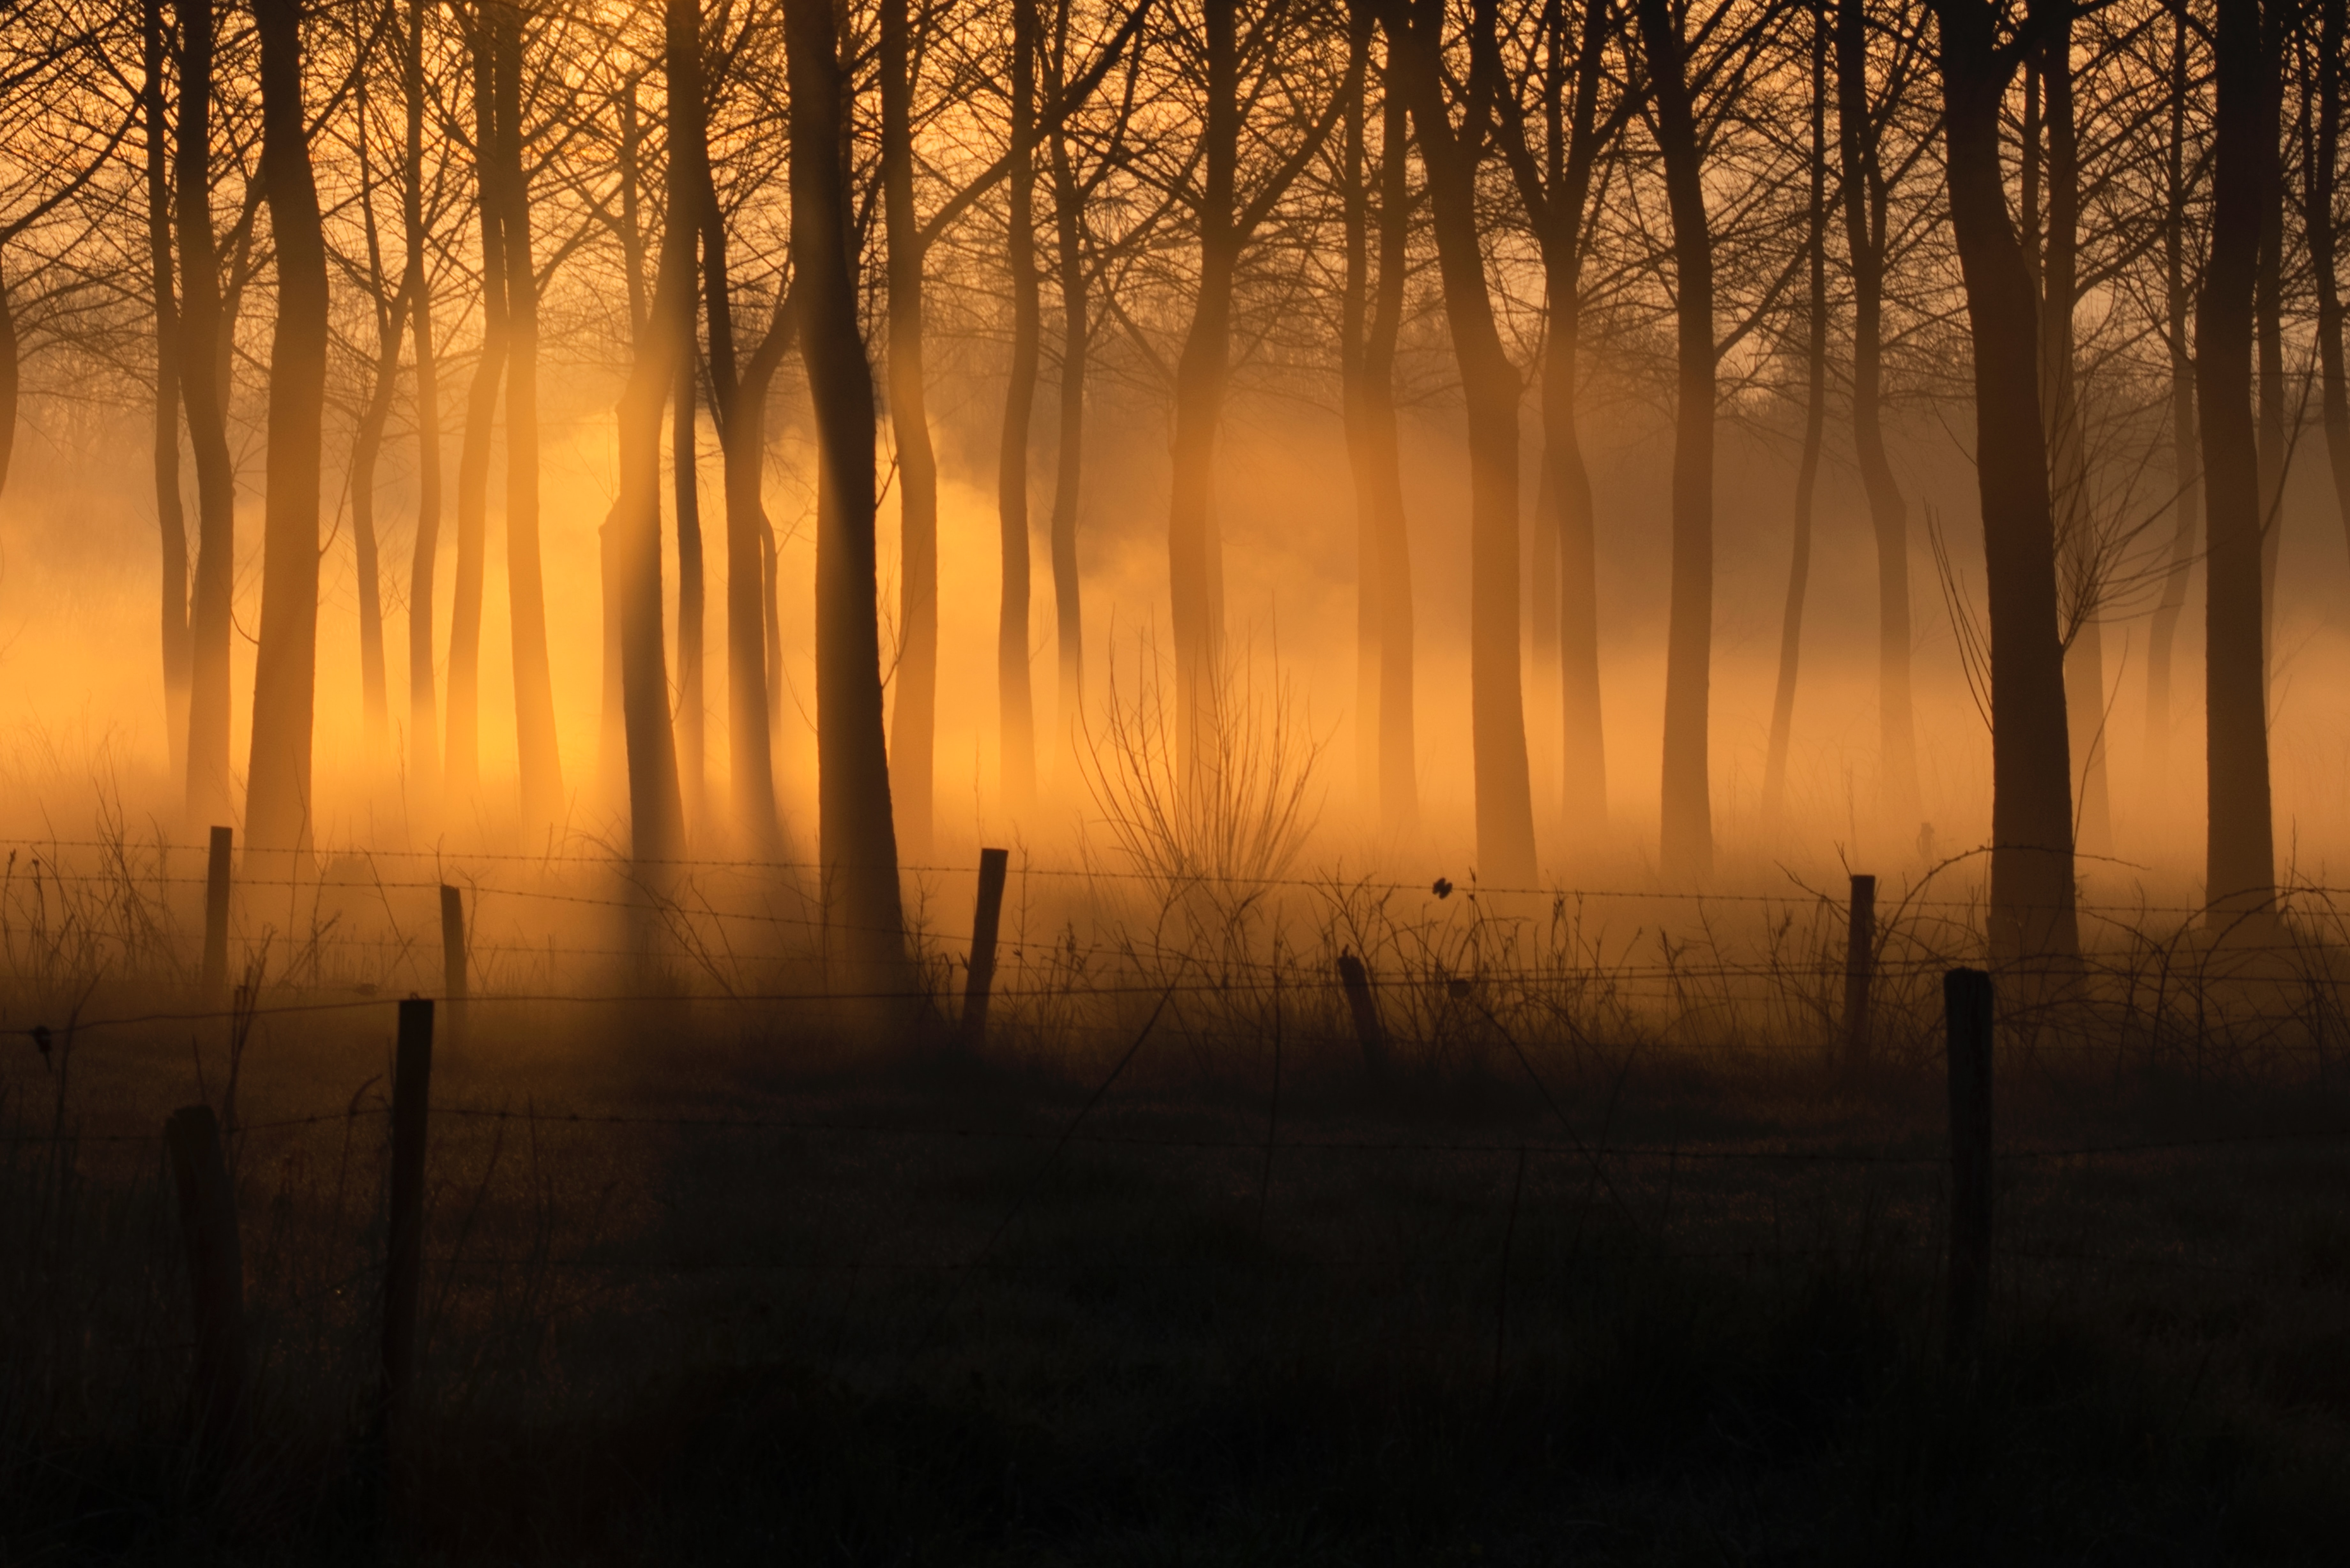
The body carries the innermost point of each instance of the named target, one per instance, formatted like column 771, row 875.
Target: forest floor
column 696, row 1293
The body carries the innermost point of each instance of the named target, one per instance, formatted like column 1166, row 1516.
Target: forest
column 1151, row 780
column 1548, row 335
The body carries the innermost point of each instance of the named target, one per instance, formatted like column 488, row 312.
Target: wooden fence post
column 986, row 919
column 1968, row 1010
column 1369, row 1033
column 412, row 1092
column 452, row 955
column 216, row 1274
column 1859, row 967
column 215, row 970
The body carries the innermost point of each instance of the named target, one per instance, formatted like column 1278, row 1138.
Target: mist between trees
column 1520, row 439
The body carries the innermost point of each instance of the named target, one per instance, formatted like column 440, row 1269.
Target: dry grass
column 709, row 1281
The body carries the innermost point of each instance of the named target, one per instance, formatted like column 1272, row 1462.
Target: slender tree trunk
column 1686, row 847
column 1555, row 198
column 1383, row 553
column 2240, row 849
column 1354, row 303
column 858, row 841
column 750, row 753
column 2031, row 897
column 211, row 799
column 2076, row 529
column 1490, row 388
column 365, row 450
column 170, row 518
column 1194, row 558
column 366, row 446
column 464, row 757
column 1015, row 712
column 656, row 826
column 693, row 699
column 278, row 804
column 1865, row 200
column 913, row 722
column 2324, row 249
column 11, row 375
column 2268, row 317
column 538, row 755
column 1807, row 470
column 612, row 758
column 424, row 709
column 2186, row 467
column 1068, row 222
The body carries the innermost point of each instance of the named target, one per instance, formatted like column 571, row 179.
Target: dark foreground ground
column 683, row 1305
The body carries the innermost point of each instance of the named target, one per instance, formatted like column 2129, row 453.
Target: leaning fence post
column 215, row 970
column 986, row 919
column 452, row 955
column 1369, row 1033
column 1860, row 966
column 216, row 1273
column 411, row 1089
column 1967, row 1007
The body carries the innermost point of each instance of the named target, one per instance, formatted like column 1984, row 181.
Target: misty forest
column 1159, row 780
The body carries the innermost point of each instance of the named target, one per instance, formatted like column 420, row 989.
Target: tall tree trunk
column 1807, row 470
column 913, row 722
column 464, row 752
column 423, row 709
column 1015, row 714
column 11, row 379
column 2076, row 529
column 1490, row 388
column 1383, row 551
column 1686, row 850
column 211, row 799
column 366, row 446
column 612, row 751
column 2032, row 895
column 857, row 845
column 749, row 749
column 279, row 803
column 2268, row 315
column 2239, row 848
column 656, row 826
column 1585, row 779
column 739, row 405
column 2324, row 251
column 1068, row 225
column 1864, row 201
column 1194, row 558
column 693, row 640
column 170, row 519
column 538, row 755
column 1354, row 303
column 2186, row 467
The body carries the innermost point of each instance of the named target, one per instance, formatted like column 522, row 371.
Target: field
column 1614, row 1255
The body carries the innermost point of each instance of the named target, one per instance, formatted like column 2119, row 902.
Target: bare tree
column 278, row 802
column 2032, row 895
column 1489, row 386
column 858, row 841
column 2239, row 854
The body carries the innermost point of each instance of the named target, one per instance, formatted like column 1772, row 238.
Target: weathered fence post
column 216, row 1274
column 986, row 919
column 452, row 956
column 1859, row 967
column 1967, row 1008
column 215, row 970
column 411, row 1090
column 1369, row 1033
